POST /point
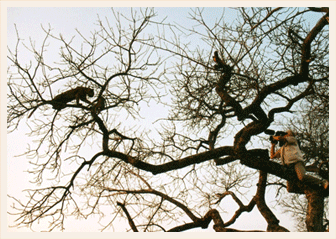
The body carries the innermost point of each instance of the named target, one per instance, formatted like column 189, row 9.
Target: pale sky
column 28, row 22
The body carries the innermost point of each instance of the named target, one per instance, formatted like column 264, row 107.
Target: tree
column 313, row 132
column 222, row 94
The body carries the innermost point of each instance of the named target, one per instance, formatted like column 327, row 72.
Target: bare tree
column 243, row 78
column 312, row 127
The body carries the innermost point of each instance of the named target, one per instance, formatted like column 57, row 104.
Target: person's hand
column 273, row 140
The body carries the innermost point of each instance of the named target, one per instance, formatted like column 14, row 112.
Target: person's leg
column 302, row 176
column 300, row 170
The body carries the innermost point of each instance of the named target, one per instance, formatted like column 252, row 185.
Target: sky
column 28, row 22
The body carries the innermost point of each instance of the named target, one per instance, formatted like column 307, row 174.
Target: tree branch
column 267, row 16
column 272, row 221
column 242, row 208
column 306, row 46
column 130, row 220
column 173, row 165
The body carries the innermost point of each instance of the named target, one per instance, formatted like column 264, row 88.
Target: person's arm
column 280, row 138
column 276, row 154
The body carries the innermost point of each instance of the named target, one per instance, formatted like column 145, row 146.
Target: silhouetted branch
column 130, row 220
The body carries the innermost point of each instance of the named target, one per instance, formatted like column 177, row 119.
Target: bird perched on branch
column 221, row 65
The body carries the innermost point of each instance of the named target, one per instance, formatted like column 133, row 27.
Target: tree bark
column 272, row 221
column 314, row 217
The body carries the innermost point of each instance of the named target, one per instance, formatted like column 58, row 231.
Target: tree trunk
column 314, row 218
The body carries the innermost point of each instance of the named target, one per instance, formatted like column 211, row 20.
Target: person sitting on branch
column 291, row 156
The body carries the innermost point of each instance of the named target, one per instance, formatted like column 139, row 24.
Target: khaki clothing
column 291, row 155
column 289, row 152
